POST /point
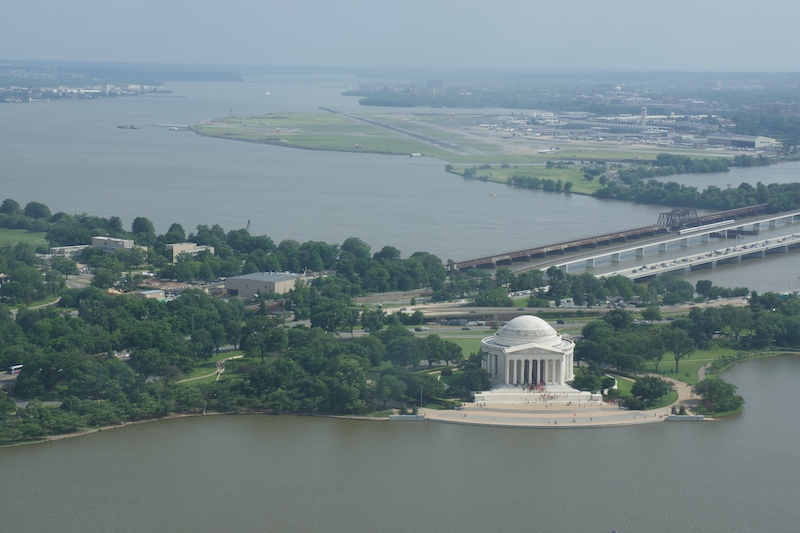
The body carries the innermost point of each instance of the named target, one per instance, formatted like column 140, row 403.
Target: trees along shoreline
column 68, row 352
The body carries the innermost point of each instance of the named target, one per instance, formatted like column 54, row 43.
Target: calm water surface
column 262, row 473
column 72, row 157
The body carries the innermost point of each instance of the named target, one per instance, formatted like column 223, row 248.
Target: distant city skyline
column 681, row 35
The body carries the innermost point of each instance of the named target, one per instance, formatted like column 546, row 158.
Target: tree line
column 111, row 358
column 236, row 252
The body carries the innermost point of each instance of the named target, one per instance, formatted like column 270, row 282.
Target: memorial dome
column 526, row 328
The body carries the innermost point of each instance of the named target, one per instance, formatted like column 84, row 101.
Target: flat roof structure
column 249, row 285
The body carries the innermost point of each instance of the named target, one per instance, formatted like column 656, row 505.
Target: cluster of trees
column 778, row 196
column 71, row 359
column 618, row 342
column 683, row 164
column 545, row 184
column 26, row 283
column 68, row 351
column 556, row 286
column 236, row 252
column 719, row 396
column 668, row 165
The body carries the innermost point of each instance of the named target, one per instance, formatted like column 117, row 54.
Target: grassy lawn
column 34, row 238
column 209, row 379
column 689, row 365
column 468, row 346
column 624, row 386
column 46, row 301
column 380, row 414
column 211, row 365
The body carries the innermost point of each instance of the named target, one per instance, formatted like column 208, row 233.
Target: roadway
column 637, row 233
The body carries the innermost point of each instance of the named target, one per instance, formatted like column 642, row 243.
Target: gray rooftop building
column 248, row 285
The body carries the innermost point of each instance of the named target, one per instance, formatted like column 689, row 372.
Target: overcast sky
column 695, row 35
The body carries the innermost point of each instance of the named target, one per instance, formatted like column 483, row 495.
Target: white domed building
column 528, row 353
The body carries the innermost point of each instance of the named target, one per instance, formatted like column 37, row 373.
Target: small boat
column 130, row 127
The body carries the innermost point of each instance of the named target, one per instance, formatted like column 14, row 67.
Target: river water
column 260, row 473
column 265, row 473
column 72, row 157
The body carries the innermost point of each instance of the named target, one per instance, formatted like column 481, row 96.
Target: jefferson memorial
column 527, row 360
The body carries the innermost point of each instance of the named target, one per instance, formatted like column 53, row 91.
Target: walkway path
column 560, row 415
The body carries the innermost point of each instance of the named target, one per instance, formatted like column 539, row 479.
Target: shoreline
column 176, row 416
column 510, row 416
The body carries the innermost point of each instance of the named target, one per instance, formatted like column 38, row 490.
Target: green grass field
column 34, row 238
column 211, row 366
column 449, row 137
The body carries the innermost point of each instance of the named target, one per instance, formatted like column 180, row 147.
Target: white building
column 111, row 245
column 529, row 363
column 190, row 248
column 528, row 351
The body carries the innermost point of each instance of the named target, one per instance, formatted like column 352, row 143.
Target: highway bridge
column 721, row 256
column 666, row 242
column 664, row 226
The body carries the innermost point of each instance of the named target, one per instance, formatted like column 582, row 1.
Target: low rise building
column 190, row 248
column 154, row 294
column 67, row 252
column 249, row 285
column 111, row 245
column 744, row 141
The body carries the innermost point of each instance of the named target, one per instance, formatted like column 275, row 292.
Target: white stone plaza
column 529, row 362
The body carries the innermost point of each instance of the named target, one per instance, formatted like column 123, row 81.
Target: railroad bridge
column 666, row 222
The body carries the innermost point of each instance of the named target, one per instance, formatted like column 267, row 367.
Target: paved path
column 553, row 415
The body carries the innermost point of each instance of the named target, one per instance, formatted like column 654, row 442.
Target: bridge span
column 606, row 239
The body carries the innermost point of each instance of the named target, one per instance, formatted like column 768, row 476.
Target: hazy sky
column 729, row 35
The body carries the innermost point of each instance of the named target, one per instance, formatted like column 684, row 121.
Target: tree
column 703, row 287
column 586, row 379
column 389, row 387
column 719, row 395
column 333, row 315
column 650, row 388
column 37, row 210
column 404, row 351
column 175, row 234
column 652, row 313
column 373, row 319
column 434, row 349
column 65, row 266
column 619, row 319
column 678, row 342
column 653, row 350
column 10, row 207
column 233, row 332
column 202, row 344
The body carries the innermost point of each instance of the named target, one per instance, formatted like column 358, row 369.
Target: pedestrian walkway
column 559, row 415
column 551, row 415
